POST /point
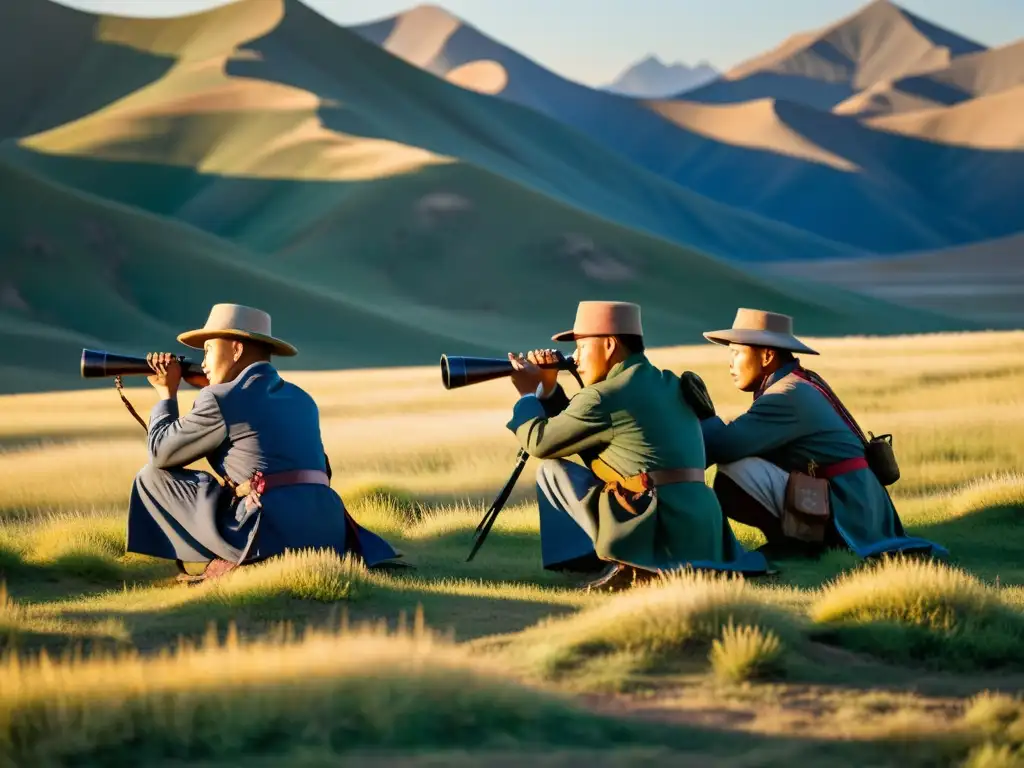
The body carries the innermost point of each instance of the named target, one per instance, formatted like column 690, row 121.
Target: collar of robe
column 773, row 378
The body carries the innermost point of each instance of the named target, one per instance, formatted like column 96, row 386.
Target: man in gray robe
column 261, row 434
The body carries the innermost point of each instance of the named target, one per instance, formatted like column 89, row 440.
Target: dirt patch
column 821, row 712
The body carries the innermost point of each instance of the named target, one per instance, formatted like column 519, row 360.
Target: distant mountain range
column 781, row 155
column 412, row 187
column 651, row 78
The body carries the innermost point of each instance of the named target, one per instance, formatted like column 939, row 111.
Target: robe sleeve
column 583, row 424
column 554, row 403
column 771, row 422
column 175, row 442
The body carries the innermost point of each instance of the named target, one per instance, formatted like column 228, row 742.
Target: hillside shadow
column 925, row 87
column 819, row 94
column 72, row 79
column 979, row 188
column 391, row 602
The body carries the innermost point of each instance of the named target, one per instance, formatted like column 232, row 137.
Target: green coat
column 637, row 420
column 791, row 423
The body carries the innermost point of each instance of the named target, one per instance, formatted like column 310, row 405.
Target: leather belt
column 259, row 484
column 645, row 480
column 656, row 477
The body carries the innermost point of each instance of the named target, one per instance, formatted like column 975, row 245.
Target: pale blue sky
column 593, row 40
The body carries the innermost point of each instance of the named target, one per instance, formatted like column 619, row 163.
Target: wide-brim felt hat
column 603, row 318
column 237, row 321
column 757, row 328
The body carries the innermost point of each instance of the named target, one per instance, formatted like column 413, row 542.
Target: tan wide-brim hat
column 236, row 321
column 757, row 328
column 603, row 318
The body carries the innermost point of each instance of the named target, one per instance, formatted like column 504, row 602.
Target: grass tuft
column 319, row 575
column 998, row 721
column 919, row 612
column 13, row 618
column 992, row 756
column 746, row 653
column 337, row 692
column 663, row 626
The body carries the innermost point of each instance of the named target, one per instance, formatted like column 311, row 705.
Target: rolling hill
column 994, row 122
column 822, row 68
column 968, row 77
column 245, row 94
column 651, row 78
column 398, row 275
column 926, row 166
column 746, row 155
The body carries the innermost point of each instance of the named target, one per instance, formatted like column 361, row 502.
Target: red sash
column 845, row 465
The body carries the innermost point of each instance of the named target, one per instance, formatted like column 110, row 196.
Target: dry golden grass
column 418, row 464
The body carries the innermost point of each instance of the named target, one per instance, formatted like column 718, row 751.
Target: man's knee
column 564, row 477
column 148, row 476
column 550, row 472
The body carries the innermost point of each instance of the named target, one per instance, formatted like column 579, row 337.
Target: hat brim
column 196, row 339
column 753, row 338
column 570, row 336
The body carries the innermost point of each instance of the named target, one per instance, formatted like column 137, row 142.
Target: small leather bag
column 807, row 510
column 882, row 459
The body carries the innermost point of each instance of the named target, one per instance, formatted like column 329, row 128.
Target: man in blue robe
column 261, row 434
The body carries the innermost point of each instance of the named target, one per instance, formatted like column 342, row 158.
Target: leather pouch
column 633, row 502
column 808, row 509
column 882, row 459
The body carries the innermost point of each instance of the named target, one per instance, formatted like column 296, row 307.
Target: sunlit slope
column 881, row 41
column 394, row 276
column 269, row 89
column 994, row 122
column 968, row 77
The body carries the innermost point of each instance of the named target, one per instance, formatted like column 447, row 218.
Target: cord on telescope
column 131, row 409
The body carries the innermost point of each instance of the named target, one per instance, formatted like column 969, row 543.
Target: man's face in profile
column 747, row 366
column 219, row 358
column 593, row 358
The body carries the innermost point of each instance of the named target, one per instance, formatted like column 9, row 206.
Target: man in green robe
column 793, row 425
column 638, row 504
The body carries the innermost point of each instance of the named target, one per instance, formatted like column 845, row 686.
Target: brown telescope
column 97, row 365
column 462, row 371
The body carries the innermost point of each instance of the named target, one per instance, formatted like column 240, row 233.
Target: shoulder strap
column 819, row 384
